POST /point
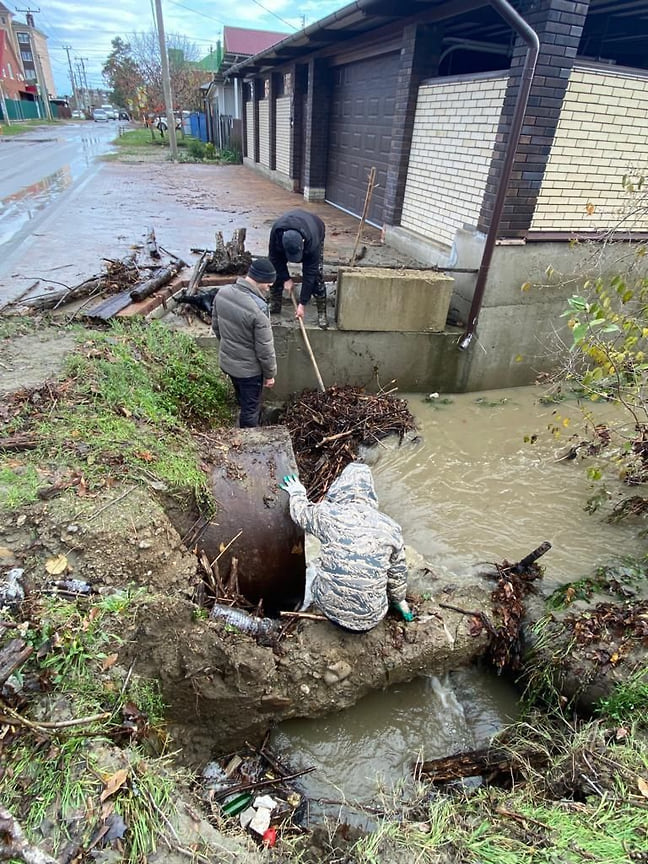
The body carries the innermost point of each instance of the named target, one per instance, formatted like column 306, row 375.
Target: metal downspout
column 531, row 38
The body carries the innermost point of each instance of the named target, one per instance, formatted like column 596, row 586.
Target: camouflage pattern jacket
column 361, row 568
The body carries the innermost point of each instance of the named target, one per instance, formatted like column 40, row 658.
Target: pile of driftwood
column 328, row 428
column 122, row 282
column 226, row 259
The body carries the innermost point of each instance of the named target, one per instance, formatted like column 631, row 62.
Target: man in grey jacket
column 241, row 321
column 361, row 569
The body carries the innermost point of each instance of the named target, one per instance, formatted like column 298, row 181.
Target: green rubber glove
column 291, row 485
column 404, row 611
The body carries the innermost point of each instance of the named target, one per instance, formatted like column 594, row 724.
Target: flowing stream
column 483, row 481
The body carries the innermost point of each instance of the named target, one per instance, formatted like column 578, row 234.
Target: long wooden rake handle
column 308, row 345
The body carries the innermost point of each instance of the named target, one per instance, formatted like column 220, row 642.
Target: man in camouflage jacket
column 361, row 568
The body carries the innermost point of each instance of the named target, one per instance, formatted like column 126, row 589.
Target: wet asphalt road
column 59, row 227
column 37, row 170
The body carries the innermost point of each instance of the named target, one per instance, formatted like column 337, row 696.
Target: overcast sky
column 88, row 26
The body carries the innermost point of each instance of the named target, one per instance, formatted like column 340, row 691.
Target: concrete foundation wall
column 371, row 298
column 276, row 176
column 413, row 362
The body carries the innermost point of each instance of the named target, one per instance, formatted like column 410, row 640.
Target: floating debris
column 328, row 428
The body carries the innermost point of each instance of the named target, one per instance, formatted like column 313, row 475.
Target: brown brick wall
column 559, row 24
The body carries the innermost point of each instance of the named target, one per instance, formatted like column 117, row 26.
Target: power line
column 196, row 12
column 278, row 17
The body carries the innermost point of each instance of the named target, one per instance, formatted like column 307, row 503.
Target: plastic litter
column 260, row 822
column 270, row 837
column 11, row 591
column 241, row 620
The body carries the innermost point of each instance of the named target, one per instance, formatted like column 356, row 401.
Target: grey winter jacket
column 361, row 568
column 240, row 320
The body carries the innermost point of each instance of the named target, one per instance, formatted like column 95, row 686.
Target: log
column 151, row 244
column 12, row 657
column 229, row 257
column 14, row 443
column 196, row 276
column 492, row 763
column 55, row 298
column 94, row 284
column 151, row 285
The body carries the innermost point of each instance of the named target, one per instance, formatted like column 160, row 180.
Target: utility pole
column 166, row 82
column 85, row 80
column 75, row 98
column 82, row 90
column 5, row 113
column 40, row 78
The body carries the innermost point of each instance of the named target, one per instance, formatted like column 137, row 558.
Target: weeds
column 126, row 409
column 628, row 702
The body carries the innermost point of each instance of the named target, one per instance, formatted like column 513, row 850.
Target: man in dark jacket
column 298, row 237
column 241, row 322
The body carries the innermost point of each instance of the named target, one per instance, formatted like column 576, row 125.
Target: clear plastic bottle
column 241, row 620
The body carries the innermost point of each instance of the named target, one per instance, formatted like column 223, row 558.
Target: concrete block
column 402, row 301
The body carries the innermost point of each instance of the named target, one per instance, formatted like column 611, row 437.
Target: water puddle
column 364, row 756
column 75, row 153
column 22, row 207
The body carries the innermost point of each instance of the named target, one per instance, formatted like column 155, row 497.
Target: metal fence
column 22, row 109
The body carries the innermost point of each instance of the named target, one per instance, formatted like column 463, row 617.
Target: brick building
column 427, row 96
column 12, row 79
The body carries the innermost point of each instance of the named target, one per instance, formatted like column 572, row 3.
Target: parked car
column 77, row 115
column 123, row 115
column 99, row 115
column 179, row 116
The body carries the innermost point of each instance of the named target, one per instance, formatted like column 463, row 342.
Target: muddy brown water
column 473, row 488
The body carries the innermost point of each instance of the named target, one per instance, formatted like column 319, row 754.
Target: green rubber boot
column 322, row 320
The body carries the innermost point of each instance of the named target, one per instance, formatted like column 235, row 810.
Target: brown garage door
column 360, row 132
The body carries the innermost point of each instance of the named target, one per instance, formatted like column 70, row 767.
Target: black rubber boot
column 275, row 304
column 322, row 320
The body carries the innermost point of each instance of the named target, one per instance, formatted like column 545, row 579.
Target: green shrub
column 197, row 148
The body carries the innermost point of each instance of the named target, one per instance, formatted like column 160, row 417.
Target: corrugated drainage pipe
column 531, row 38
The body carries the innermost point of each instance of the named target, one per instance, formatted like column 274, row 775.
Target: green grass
column 131, row 398
column 19, row 127
column 627, row 705
column 138, row 142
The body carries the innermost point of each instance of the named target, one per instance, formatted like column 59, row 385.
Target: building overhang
column 616, row 31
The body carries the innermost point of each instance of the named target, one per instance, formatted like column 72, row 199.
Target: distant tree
column 121, row 74
column 133, row 71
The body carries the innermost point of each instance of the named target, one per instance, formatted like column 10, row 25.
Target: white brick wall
column 264, row 134
column 249, row 127
column 452, row 145
column 283, row 135
column 601, row 136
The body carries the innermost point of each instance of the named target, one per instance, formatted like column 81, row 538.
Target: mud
column 222, row 688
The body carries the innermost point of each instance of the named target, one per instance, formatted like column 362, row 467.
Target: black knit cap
column 293, row 244
column 262, row 270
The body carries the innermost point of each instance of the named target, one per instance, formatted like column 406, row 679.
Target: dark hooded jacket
column 312, row 230
column 361, row 568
